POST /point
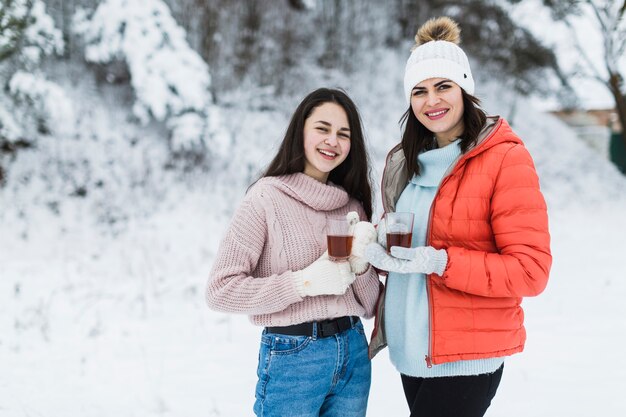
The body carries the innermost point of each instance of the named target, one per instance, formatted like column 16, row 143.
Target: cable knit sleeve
column 366, row 287
column 231, row 286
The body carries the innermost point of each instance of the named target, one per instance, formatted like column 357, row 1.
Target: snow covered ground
column 102, row 307
column 96, row 326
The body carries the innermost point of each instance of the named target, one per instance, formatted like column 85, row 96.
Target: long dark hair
column 417, row 139
column 354, row 172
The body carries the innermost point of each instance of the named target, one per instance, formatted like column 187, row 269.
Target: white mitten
column 422, row 259
column 324, row 277
column 381, row 230
column 363, row 234
column 352, row 218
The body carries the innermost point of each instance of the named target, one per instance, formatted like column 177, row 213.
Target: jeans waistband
column 324, row 328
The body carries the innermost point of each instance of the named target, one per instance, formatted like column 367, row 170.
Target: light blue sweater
column 406, row 302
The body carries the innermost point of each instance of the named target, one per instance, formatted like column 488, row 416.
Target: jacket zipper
column 429, row 356
column 450, row 170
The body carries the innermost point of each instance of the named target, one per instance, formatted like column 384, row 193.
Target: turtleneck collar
column 315, row 194
column 434, row 163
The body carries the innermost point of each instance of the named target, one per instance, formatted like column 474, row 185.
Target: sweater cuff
column 298, row 280
column 358, row 265
column 440, row 262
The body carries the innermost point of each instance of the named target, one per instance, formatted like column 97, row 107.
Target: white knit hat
column 438, row 58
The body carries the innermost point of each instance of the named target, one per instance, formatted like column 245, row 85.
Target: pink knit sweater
column 279, row 228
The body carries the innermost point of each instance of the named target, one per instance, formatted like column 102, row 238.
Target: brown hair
column 353, row 173
column 417, row 138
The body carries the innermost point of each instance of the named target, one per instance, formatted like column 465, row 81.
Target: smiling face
column 438, row 104
column 326, row 140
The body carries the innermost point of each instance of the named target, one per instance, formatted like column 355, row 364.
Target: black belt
column 324, row 328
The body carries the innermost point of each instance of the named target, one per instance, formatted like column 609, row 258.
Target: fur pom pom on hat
column 436, row 54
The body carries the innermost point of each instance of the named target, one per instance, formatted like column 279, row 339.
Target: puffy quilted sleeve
column 519, row 221
column 231, row 286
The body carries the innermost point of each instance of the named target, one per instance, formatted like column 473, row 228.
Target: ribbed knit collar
column 317, row 195
column 434, row 163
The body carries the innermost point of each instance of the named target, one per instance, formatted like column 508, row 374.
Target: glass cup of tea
column 339, row 238
column 399, row 229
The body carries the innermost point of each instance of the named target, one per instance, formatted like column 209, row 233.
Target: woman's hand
column 421, row 260
column 324, row 277
column 363, row 234
column 381, row 230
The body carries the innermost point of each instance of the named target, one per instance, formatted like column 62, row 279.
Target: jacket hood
column 496, row 131
column 395, row 177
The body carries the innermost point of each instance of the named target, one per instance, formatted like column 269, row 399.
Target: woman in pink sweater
column 273, row 265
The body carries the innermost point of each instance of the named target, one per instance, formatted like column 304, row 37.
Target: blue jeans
column 310, row 376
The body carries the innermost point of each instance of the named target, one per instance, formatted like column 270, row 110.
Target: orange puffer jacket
column 491, row 217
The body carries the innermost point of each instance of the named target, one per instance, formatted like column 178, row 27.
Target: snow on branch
column 10, row 130
column 42, row 34
column 44, row 102
column 169, row 78
column 33, row 105
column 26, row 29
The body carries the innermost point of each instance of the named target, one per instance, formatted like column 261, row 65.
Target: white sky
column 592, row 94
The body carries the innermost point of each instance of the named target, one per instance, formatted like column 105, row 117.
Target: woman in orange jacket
column 452, row 308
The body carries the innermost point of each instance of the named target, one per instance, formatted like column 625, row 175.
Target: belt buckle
column 328, row 328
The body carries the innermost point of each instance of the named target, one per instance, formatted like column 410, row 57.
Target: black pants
column 453, row 396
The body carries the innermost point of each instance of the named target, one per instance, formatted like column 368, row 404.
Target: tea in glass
column 399, row 229
column 339, row 238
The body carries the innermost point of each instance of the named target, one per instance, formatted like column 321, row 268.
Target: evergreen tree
column 170, row 80
column 32, row 105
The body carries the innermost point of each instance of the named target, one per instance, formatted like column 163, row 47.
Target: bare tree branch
column 595, row 72
column 622, row 44
column 621, row 34
column 594, row 7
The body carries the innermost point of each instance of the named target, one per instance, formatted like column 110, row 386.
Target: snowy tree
column 26, row 30
column 27, row 34
column 45, row 105
column 274, row 43
column 170, row 80
column 33, row 105
column 14, row 16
